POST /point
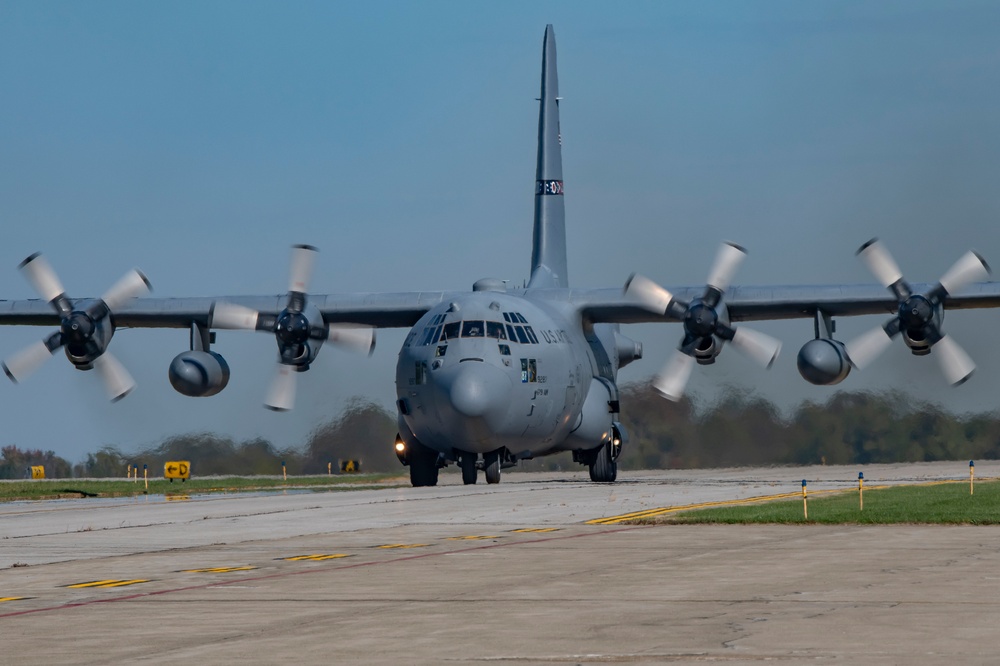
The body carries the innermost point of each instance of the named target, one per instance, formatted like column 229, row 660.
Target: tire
column 423, row 466
column 492, row 467
column 469, row 472
column 603, row 469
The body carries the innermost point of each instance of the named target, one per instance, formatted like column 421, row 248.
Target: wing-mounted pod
column 85, row 328
column 299, row 330
column 706, row 323
column 919, row 316
column 823, row 361
column 200, row 372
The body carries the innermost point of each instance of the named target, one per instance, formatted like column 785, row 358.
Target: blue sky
column 199, row 140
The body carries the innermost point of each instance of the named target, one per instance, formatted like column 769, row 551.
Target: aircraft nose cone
column 479, row 389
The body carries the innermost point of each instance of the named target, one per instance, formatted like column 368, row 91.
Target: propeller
column 299, row 330
column 702, row 323
column 918, row 314
column 84, row 333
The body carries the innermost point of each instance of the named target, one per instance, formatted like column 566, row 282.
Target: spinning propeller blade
column 703, row 324
column 955, row 363
column 25, row 362
column 233, row 317
column 674, row 376
column 760, row 347
column 298, row 329
column 918, row 314
column 132, row 284
column 39, row 272
column 867, row 347
column 353, row 337
column 117, row 381
column 281, row 395
column 85, row 332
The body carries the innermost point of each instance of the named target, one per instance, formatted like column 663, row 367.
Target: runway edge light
column 805, row 508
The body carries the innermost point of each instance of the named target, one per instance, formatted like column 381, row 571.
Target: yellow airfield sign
column 38, row 471
column 177, row 469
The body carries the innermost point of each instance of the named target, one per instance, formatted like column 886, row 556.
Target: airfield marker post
column 284, row 471
column 145, row 475
column 972, row 474
column 329, row 468
column 861, row 490
column 805, row 507
column 128, row 471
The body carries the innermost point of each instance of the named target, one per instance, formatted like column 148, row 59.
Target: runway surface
column 513, row 573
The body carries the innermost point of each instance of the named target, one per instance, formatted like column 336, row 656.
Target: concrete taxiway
column 512, row 573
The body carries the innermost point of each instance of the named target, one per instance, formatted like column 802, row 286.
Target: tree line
column 739, row 428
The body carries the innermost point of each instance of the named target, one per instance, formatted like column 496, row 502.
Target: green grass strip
column 942, row 503
column 74, row 488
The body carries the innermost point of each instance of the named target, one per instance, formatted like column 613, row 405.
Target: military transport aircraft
column 499, row 374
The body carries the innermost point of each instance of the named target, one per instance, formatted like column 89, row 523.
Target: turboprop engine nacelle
column 916, row 340
column 823, row 362
column 199, row 374
column 707, row 350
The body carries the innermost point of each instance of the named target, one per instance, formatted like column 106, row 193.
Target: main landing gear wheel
column 603, row 469
column 492, row 466
column 423, row 466
column 468, row 462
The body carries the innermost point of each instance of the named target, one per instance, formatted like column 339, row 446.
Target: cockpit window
column 531, row 335
column 473, row 329
column 511, row 335
column 506, row 317
column 521, row 337
column 495, row 330
column 520, row 318
column 431, row 335
column 451, row 330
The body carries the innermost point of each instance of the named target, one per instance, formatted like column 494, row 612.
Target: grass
column 75, row 488
column 947, row 503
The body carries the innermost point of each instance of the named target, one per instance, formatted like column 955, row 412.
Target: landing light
column 400, row 447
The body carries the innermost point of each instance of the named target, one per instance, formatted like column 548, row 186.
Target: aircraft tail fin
column 548, row 249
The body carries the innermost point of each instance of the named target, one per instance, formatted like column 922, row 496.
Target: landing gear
column 603, row 467
column 469, row 472
column 491, row 463
column 423, row 465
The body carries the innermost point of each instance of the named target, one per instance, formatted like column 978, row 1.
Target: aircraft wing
column 607, row 305
column 753, row 303
column 381, row 310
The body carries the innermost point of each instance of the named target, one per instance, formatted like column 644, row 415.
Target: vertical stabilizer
column 548, row 249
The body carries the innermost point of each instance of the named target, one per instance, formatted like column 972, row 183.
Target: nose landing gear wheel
column 468, row 462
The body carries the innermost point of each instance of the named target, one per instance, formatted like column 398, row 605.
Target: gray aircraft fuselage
column 493, row 369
